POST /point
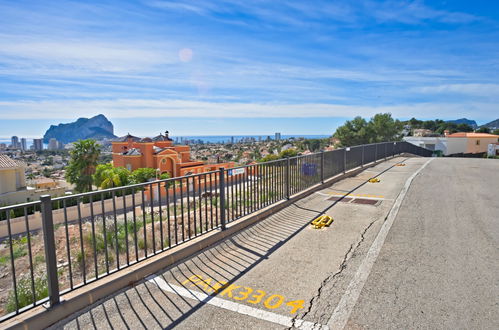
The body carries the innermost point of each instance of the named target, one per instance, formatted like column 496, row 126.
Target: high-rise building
column 3, row 146
column 24, row 145
column 38, row 144
column 53, row 144
column 14, row 142
column 277, row 136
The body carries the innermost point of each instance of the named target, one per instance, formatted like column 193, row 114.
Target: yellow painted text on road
column 242, row 293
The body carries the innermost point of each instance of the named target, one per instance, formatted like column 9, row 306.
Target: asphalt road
column 438, row 266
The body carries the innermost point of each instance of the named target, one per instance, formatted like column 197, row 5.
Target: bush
column 99, row 240
column 25, row 294
column 141, row 175
column 4, row 260
column 141, row 243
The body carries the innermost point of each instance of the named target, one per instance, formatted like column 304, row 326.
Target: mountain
column 98, row 127
column 492, row 125
column 471, row 123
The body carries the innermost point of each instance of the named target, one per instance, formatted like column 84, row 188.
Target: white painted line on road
column 235, row 307
column 361, row 196
column 342, row 312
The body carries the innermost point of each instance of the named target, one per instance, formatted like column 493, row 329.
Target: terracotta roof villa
column 160, row 153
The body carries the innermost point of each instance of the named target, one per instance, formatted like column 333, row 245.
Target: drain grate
column 365, row 201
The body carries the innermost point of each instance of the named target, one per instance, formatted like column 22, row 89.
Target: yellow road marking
column 240, row 293
column 287, row 321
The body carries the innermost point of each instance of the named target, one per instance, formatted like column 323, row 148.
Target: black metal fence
column 53, row 246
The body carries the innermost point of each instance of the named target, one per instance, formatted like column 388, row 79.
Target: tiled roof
column 7, row 162
column 126, row 137
column 132, row 152
column 157, row 150
column 472, row 135
column 161, row 137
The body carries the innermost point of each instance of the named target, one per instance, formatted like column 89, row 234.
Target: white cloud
column 85, row 55
column 491, row 90
column 143, row 108
column 414, row 12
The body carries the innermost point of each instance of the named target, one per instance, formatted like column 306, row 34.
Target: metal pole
column 386, row 150
column 49, row 242
column 322, row 166
column 376, row 153
column 344, row 160
column 222, row 197
column 362, row 163
column 288, row 179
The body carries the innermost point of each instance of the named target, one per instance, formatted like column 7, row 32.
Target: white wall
column 439, row 142
column 457, row 145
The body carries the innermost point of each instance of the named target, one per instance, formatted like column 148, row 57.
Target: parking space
column 267, row 276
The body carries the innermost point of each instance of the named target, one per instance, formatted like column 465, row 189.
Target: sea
column 212, row 138
column 237, row 138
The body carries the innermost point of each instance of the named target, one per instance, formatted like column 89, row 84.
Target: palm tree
column 110, row 178
column 107, row 176
column 82, row 164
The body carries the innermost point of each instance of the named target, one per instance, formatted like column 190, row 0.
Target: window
column 129, row 167
column 477, row 142
column 163, row 161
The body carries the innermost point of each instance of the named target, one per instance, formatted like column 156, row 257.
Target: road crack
column 343, row 265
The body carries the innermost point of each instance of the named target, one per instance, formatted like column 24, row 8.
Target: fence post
column 386, row 150
column 362, row 163
column 222, row 197
column 288, row 177
column 376, row 153
column 49, row 243
column 344, row 160
column 322, row 166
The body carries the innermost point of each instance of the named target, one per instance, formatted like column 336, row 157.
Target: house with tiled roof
column 466, row 142
column 12, row 177
column 13, row 188
column 160, row 153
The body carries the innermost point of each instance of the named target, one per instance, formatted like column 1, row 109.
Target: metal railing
column 53, row 246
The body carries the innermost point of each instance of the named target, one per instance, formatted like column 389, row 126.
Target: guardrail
column 45, row 253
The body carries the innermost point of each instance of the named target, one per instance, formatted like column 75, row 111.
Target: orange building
column 463, row 142
column 159, row 152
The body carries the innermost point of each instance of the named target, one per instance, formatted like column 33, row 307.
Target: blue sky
column 245, row 67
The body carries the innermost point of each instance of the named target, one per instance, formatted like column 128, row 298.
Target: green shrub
column 25, row 293
column 39, row 258
column 116, row 237
column 141, row 243
column 99, row 240
column 4, row 260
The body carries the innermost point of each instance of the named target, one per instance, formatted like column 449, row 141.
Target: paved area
column 437, row 267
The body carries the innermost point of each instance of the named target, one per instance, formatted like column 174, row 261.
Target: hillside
column 492, row 125
column 98, row 127
column 469, row 122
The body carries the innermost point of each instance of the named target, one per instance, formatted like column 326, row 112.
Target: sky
column 242, row 67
